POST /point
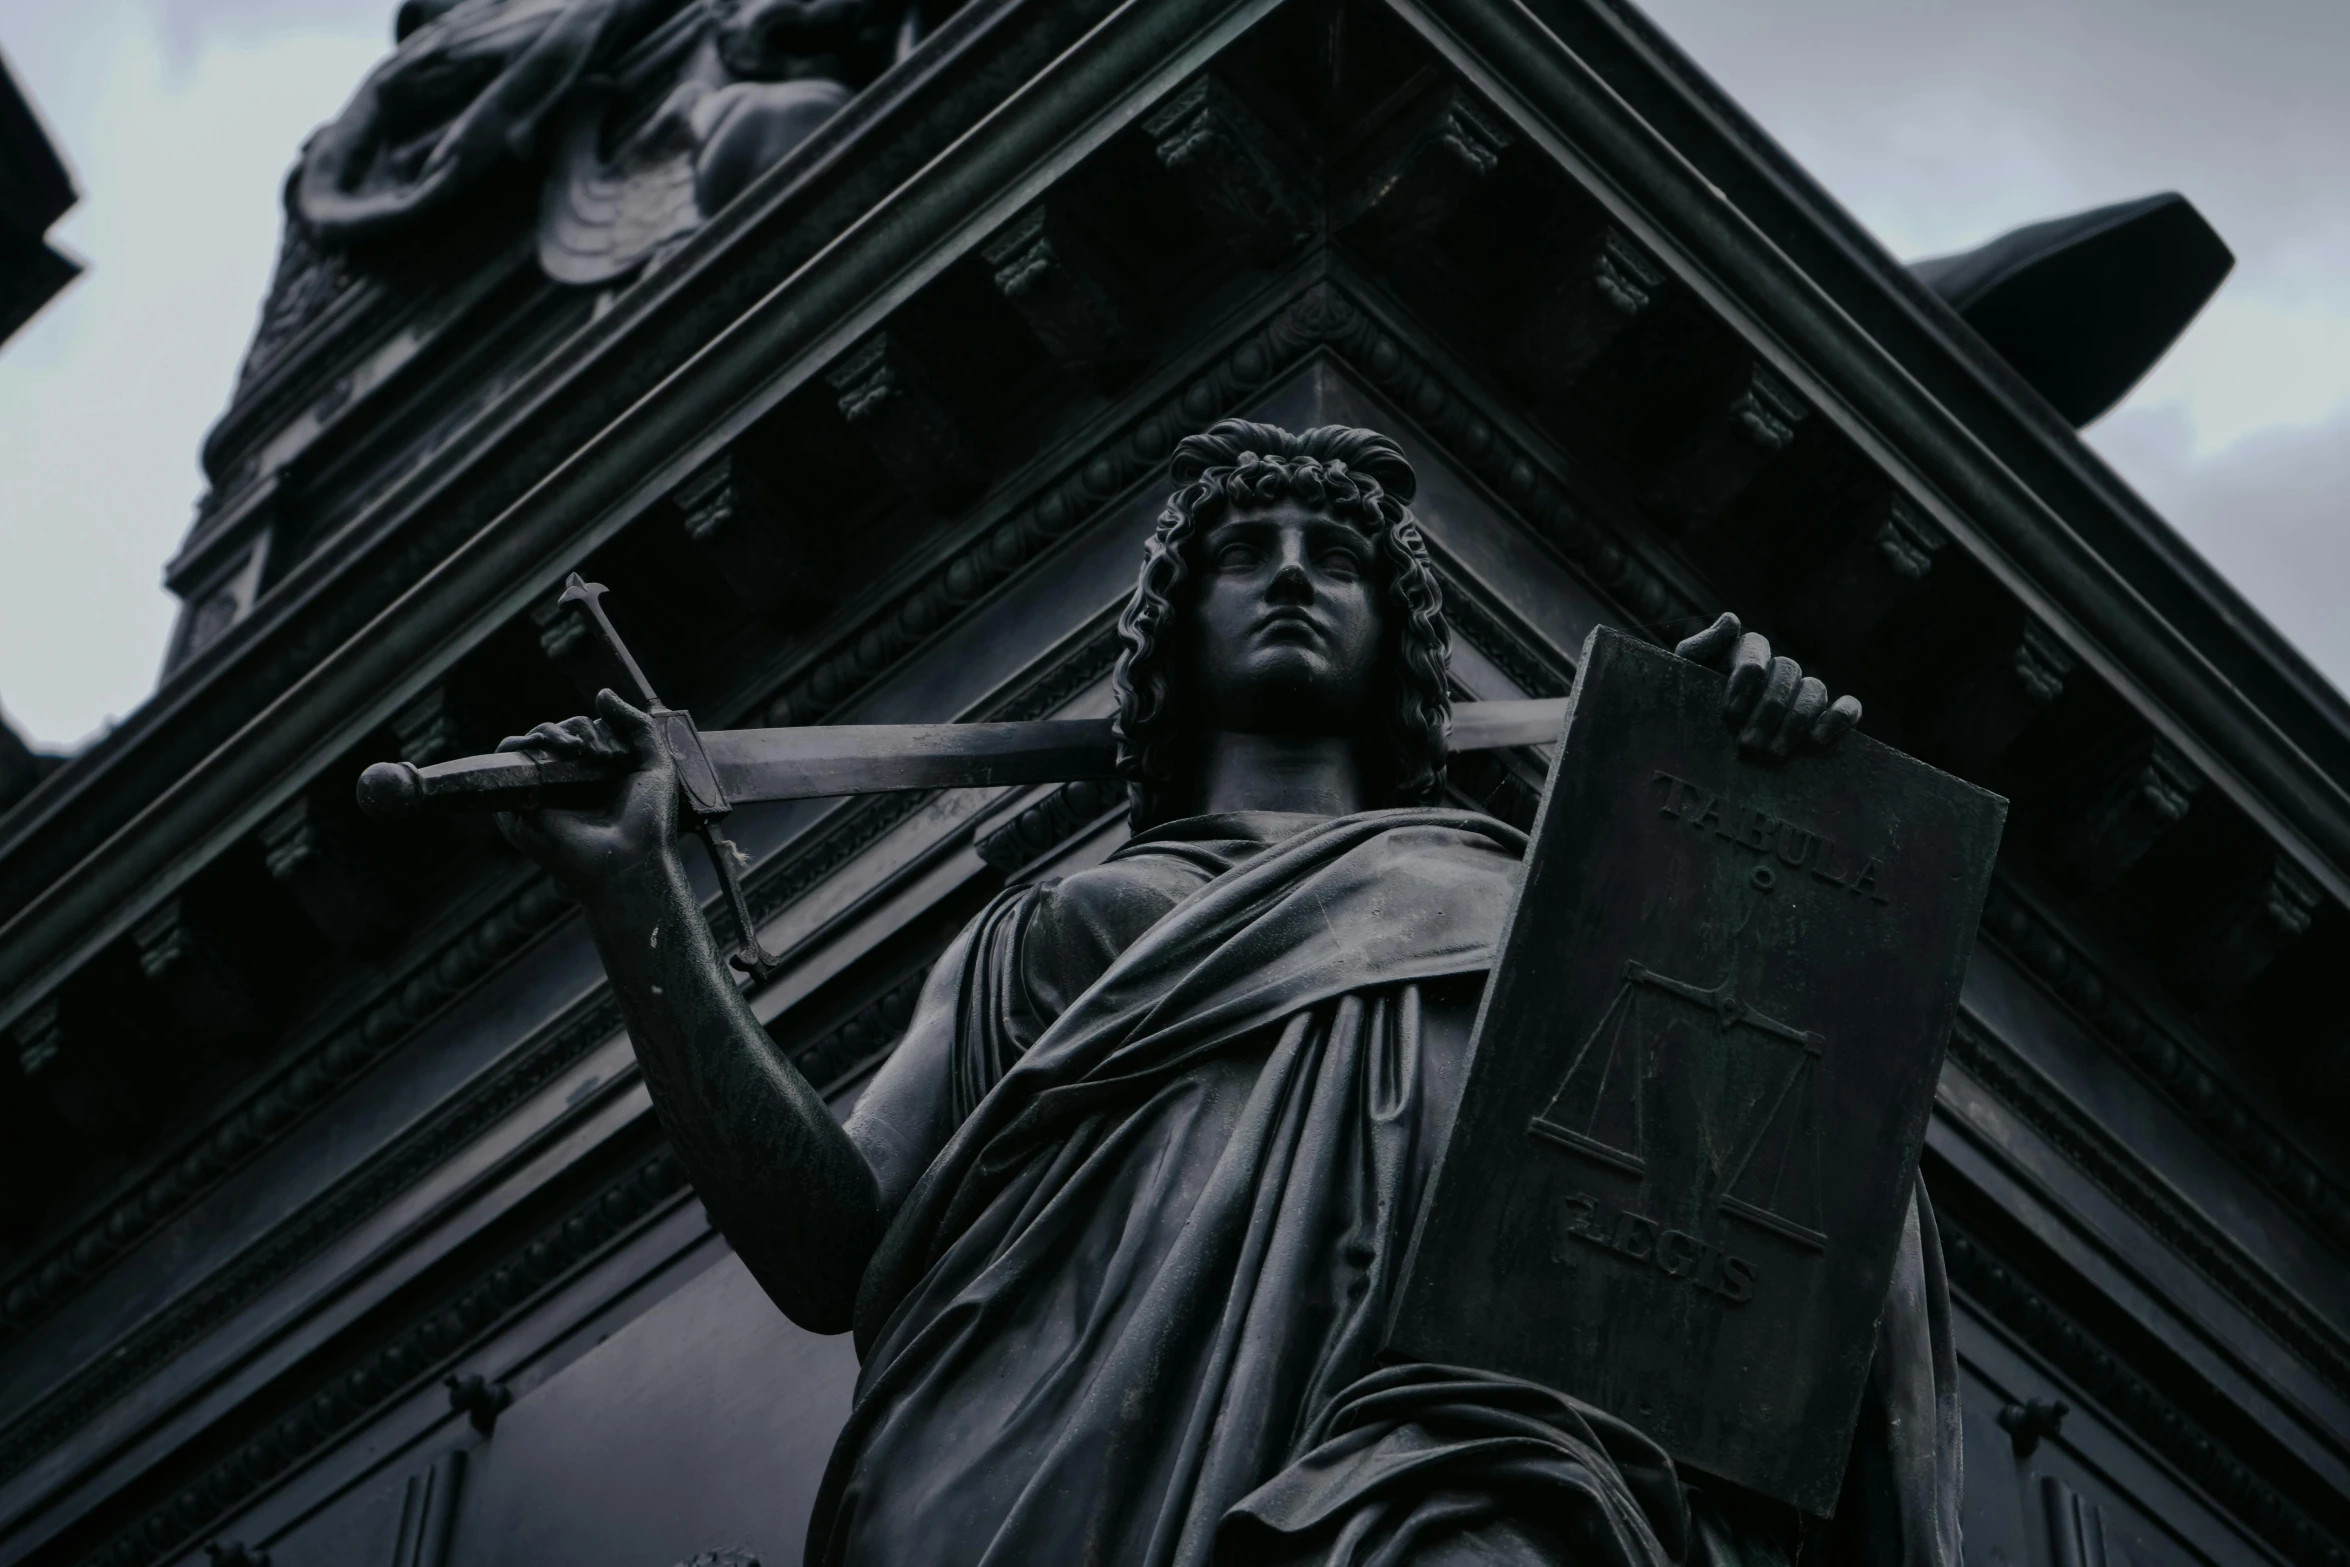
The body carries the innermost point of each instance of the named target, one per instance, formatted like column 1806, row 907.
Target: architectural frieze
column 2172, row 1066
column 2106, row 1160
column 2134, row 1403
column 411, row 1357
column 309, row 1074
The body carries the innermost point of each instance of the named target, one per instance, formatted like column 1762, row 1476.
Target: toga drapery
column 1132, row 1312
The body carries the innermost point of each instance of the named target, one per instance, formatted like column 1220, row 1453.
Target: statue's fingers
column 1770, row 708
column 1811, row 700
column 542, row 737
column 1750, row 669
column 632, row 727
column 1840, row 716
column 592, row 737
column 1710, row 646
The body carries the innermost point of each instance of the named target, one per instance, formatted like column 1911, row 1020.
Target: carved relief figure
column 1118, row 1224
column 468, row 89
column 488, row 84
column 762, row 75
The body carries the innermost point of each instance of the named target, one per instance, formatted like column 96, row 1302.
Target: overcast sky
column 1937, row 122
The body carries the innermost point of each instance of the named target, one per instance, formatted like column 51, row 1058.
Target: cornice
column 451, row 550
column 2156, row 589
column 305, row 1078
column 422, row 991
column 2133, row 1403
column 2171, row 1065
column 1896, row 373
column 2107, row 1161
column 406, row 1359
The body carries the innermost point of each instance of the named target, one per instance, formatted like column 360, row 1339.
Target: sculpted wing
column 466, row 91
column 600, row 216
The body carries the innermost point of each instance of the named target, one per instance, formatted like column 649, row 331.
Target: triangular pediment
column 879, row 443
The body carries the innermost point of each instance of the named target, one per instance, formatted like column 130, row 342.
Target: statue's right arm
column 802, row 1199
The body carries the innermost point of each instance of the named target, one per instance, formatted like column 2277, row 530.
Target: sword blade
column 828, row 759
column 832, row 759
column 1498, row 726
column 822, row 760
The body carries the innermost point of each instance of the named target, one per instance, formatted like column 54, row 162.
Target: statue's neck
column 1317, row 775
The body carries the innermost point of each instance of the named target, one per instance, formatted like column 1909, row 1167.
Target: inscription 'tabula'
column 1701, row 1077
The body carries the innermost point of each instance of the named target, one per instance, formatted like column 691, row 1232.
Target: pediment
column 879, row 441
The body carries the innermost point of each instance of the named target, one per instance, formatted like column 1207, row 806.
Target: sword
column 724, row 768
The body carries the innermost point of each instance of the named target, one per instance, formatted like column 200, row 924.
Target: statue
column 1118, row 1225
column 469, row 87
column 482, row 85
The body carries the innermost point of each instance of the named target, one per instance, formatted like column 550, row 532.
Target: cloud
column 1937, row 122
column 105, row 397
column 2268, row 510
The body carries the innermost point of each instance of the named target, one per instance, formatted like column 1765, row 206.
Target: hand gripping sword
column 729, row 767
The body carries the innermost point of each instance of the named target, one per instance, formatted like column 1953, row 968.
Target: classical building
column 850, row 354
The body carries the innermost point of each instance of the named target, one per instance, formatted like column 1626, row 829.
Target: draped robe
column 1131, row 1314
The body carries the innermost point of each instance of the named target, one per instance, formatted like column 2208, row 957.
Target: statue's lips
column 1293, row 626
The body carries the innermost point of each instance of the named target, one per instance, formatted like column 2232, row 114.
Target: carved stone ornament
column 473, row 87
column 1230, row 164
column 1072, row 298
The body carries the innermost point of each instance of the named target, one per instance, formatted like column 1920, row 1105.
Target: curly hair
column 1355, row 476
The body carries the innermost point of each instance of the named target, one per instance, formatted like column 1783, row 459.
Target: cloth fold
column 1132, row 1313
column 1414, row 1463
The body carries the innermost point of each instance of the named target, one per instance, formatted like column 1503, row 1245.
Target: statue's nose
column 1291, row 585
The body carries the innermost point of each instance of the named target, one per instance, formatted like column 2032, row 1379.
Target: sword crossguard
column 589, row 596
column 699, row 792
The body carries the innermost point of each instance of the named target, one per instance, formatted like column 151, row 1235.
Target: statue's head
column 1285, row 591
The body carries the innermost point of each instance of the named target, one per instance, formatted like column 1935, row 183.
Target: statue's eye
column 1342, row 563
column 1236, row 557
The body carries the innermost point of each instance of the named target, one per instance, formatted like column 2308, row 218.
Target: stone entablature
column 887, row 451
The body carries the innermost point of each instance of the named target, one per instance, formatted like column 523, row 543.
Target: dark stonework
column 851, row 344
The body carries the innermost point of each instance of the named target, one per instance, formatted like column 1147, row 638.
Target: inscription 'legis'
column 1677, row 1254
column 1752, row 827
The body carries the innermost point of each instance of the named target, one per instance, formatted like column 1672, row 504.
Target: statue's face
column 1287, row 616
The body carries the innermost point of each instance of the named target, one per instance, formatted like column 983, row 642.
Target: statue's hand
column 589, row 851
column 1777, row 706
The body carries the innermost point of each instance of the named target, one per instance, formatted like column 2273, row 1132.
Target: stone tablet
column 1701, row 1077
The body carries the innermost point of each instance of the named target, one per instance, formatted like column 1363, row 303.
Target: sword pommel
column 389, row 791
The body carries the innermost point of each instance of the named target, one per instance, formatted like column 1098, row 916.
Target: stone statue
column 1118, row 1224
column 488, row 84
column 470, row 88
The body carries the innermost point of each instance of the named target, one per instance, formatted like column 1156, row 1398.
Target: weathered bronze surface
column 306, row 1111
column 1701, row 1077
column 1120, row 1223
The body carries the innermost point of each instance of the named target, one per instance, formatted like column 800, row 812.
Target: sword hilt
column 699, row 793
column 589, row 596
